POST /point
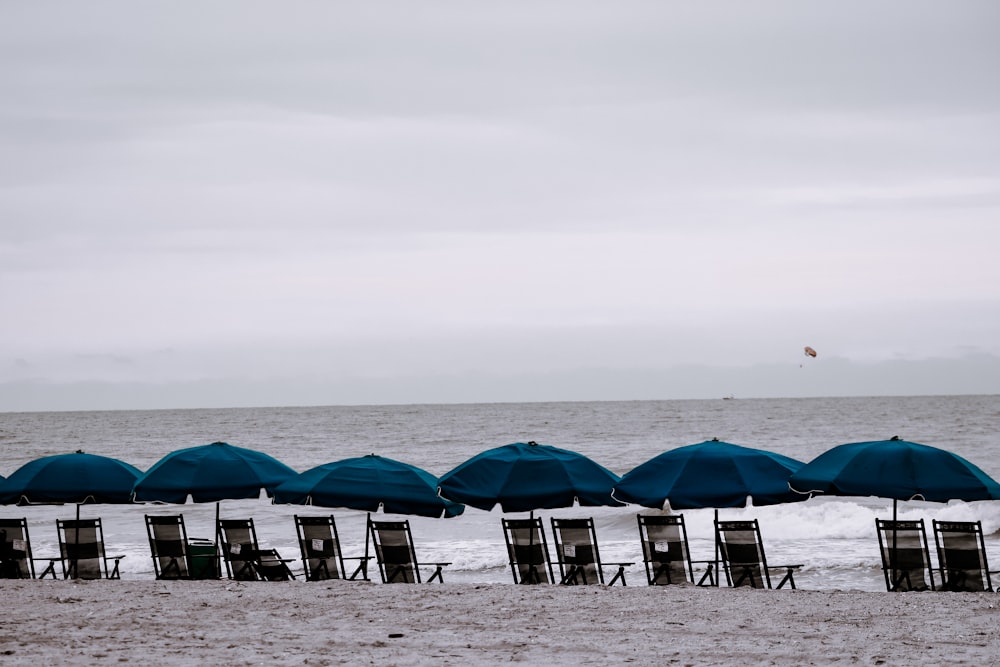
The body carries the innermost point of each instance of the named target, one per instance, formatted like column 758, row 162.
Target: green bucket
column 203, row 559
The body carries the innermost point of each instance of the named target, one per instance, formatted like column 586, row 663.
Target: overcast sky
column 227, row 203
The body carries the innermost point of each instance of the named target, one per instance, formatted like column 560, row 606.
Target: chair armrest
column 437, row 570
column 788, row 578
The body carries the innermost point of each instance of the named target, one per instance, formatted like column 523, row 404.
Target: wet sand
column 336, row 623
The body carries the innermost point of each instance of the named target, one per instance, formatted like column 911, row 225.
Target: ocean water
column 834, row 538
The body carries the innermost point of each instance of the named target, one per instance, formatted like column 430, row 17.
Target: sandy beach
column 334, row 623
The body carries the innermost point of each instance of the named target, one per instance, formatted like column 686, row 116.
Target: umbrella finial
column 532, row 443
column 893, row 438
column 715, row 439
column 79, row 451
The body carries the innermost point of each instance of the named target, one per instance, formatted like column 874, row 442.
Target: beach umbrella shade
column 895, row 469
column 211, row 473
column 710, row 474
column 523, row 477
column 368, row 483
column 70, row 478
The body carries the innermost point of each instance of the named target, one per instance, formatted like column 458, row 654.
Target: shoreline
column 340, row 622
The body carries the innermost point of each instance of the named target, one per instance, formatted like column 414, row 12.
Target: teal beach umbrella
column 211, row 473
column 523, row 477
column 70, row 478
column 369, row 483
column 895, row 469
column 711, row 474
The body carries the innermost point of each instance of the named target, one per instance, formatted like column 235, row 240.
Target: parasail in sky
column 810, row 352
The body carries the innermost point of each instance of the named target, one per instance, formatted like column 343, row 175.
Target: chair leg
column 789, row 578
column 437, row 575
column 904, row 576
column 115, row 574
column 571, row 575
column 172, row 565
column 362, row 570
column 49, row 569
column 709, row 575
column 246, row 573
column 747, row 573
column 620, row 575
column 532, row 577
column 663, row 569
column 321, row 569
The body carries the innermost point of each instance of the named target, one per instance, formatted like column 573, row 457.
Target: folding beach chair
column 321, row 554
column 962, row 556
column 742, row 553
column 527, row 551
column 665, row 551
column 245, row 560
column 16, row 561
column 168, row 545
column 81, row 549
column 397, row 561
column 906, row 560
column 577, row 553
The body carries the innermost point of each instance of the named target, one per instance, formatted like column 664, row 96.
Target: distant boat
column 728, row 398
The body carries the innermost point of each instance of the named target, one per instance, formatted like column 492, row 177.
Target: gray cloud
column 478, row 188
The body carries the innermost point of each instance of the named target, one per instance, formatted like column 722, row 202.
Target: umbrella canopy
column 895, row 469
column 710, row 474
column 522, row 477
column 367, row 483
column 210, row 473
column 70, row 478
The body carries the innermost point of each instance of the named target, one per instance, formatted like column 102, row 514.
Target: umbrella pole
column 892, row 555
column 368, row 531
column 533, row 577
column 715, row 531
column 215, row 534
column 76, row 545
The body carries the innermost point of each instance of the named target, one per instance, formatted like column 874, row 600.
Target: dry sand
column 334, row 623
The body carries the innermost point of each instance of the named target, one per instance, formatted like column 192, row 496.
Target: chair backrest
column 742, row 553
column 238, row 542
column 576, row 551
column 906, row 560
column 665, row 549
column 81, row 546
column 168, row 545
column 16, row 550
column 527, row 551
column 320, row 546
column 962, row 555
column 397, row 562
